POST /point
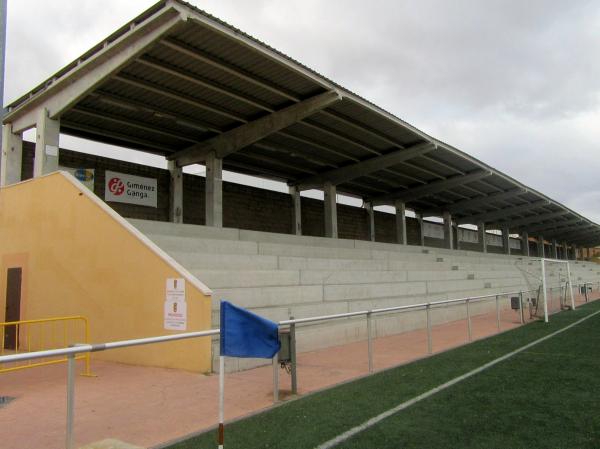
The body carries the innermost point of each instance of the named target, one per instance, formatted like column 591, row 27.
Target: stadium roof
column 179, row 82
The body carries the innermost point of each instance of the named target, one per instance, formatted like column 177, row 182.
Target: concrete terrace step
column 185, row 230
column 218, row 279
column 253, row 297
column 171, row 243
column 278, row 249
column 197, row 261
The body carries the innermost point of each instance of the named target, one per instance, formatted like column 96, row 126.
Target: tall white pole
column 570, row 287
column 221, row 401
column 544, row 290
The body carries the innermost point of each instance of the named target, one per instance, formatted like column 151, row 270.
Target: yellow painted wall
column 80, row 258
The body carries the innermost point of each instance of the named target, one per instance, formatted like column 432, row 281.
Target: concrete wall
column 80, row 258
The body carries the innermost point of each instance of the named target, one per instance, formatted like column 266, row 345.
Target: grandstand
column 107, row 241
column 182, row 84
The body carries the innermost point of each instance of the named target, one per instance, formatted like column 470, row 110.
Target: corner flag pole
column 221, row 436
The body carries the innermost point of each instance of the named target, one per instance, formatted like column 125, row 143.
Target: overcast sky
column 513, row 83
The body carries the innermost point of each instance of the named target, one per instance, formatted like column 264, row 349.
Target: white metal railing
column 72, row 352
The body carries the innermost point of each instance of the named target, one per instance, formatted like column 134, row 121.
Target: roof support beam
column 12, row 156
column 448, row 238
column 431, row 188
column 520, row 222
column 232, row 141
column 46, row 145
column 400, row 222
column 575, row 234
column 592, row 240
column 558, row 225
column 66, row 91
column 330, row 203
column 460, row 206
column 482, row 236
column 495, row 215
column 358, row 169
column 525, row 244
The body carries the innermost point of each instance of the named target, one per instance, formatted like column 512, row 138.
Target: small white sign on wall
column 175, row 307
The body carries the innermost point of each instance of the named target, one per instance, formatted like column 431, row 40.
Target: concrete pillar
column 574, row 255
column 565, row 250
column 297, row 203
column 541, row 252
column 421, row 229
column 371, row 220
column 506, row 240
column 482, row 236
column 455, row 233
column 46, row 145
column 214, row 191
column 554, row 249
column 12, row 156
column 525, row 244
column 175, row 193
column 448, row 240
column 331, row 226
column 400, row 222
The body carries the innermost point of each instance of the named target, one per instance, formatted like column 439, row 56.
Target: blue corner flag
column 245, row 334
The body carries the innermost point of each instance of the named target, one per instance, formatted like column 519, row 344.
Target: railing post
column 521, row 312
column 429, row 339
column 370, row 340
column 275, row 379
column 294, row 370
column 70, row 399
column 498, row 312
column 469, row 330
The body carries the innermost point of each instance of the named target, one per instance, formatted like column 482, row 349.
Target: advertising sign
column 83, row 175
column 175, row 308
column 123, row 188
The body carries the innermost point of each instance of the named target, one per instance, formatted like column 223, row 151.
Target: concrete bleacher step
column 279, row 275
column 172, row 243
column 248, row 278
column 196, row 261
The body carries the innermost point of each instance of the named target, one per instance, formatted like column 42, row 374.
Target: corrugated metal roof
column 206, row 77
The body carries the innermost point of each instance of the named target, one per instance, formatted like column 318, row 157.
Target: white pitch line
column 377, row 419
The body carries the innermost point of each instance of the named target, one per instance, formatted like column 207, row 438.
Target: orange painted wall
column 81, row 258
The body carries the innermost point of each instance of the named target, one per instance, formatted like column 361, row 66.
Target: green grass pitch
column 545, row 397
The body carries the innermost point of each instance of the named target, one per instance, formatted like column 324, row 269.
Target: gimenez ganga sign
column 123, row 188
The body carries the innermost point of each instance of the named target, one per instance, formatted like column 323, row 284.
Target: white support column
column 525, row 244
column 47, row 145
column 175, row 193
column 541, row 249
column 506, row 240
column 330, row 194
column 400, row 222
column 297, row 203
column 370, row 220
column 554, row 249
column 214, row 191
column 448, row 240
column 12, row 156
column 482, row 236
column 421, row 229
column 574, row 252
